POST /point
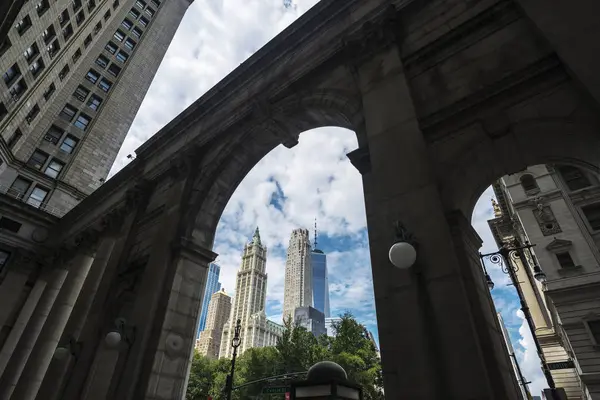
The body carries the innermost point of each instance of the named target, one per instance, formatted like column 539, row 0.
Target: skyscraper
column 212, row 286
column 311, row 319
column 74, row 76
column 320, row 279
column 513, row 359
column 298, row 274
column 249, row 303
column 219, row 309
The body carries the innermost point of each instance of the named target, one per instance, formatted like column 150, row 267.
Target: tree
column 298, row 348
column 201, row 378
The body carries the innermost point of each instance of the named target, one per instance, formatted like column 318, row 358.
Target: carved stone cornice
column 361, row 159
column 188, row 249
column 373, row 37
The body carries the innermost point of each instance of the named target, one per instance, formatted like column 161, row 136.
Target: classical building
column 249, row 303
column 212, row 286
column 444, row 97
column 557, row 208
column 74, row 76
column 320, row 279
column 219, row 310
column 298, row 274
column 311, row 319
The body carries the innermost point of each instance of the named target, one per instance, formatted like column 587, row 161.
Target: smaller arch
column 573, row 177
column 529, row 184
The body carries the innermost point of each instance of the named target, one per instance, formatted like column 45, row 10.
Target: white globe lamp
column 61, row 353
column 403, row 255
column 112, row 339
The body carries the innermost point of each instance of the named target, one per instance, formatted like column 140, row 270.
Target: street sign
column 275, row 390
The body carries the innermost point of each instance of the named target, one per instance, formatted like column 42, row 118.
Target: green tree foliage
column 296, row 351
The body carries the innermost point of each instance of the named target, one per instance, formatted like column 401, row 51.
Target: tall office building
column 219, row 309
column 249, row 303
column 329, row 325
column 320, row 279
column 212, row 286
column 513, row 359
column 311, row 319
column 74, row 76
column 298, row 274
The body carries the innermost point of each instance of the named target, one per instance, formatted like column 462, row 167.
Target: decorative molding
column 559, row 245
column 545, row 218
column 361, row 159
column 188, row 249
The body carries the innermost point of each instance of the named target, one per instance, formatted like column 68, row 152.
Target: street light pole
column 235, row 343
column 502, row 258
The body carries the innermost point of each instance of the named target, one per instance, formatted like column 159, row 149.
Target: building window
column 102, row 61
column 68, row 112
column 111, row 47
column 63, row 18
column 592, row 214
column 149, row 12
column 49, row 34
column 31, row 52
column 53, row 135
column 155, row 3
column 76, row 5
column 19, row 187
column 565, row 260
column 79, row 18
column 81, row 93
column 14, row 139
column 3, row 111
column 529, row 184
column 64, row 72
column 140, row 4
column 97, row 28
column 69, row 144
column 122, row 56
column 37, row 160
column 37, row 196
column 114, row 70
column 91, row 5
column 76, row 55
column 119, row 35
column 130, row 44
column 133, row 13
column 127, row 24
column 37, row 67
column 11, row 74
column 144, row 22
column 67, row 32
column 53, row 48
column 106, row 15
column 136, row 32
column 87, row 41
column 92, row 76
column 49, row 91
column 18, row 89
column 42, row 7
column 94, row 102
column 9, row 225
column 105, row 84
column 115, row 4
column 82, row 121
column 23, row 25
column 35, row 110
column 573, row 177
column 54, row 168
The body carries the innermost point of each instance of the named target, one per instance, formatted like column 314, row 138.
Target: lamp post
column 326, row 380
column 235, row 343
column 502, row 258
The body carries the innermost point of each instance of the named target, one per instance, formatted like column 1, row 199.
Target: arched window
column 573, row 177
column 529, row 184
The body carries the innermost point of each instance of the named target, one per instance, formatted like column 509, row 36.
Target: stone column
column 19, row 357
column 41, row 355
column 58, row 369
column 439, row 335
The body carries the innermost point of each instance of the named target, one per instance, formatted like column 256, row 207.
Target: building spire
column 256, row 237
column 315, row 234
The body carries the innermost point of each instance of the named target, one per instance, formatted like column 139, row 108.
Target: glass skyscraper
column 212, row 286
column 320, row 281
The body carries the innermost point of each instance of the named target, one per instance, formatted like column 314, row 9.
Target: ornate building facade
column 249, row 303
column 219, row 310
column 298, row 288
column 557, row 208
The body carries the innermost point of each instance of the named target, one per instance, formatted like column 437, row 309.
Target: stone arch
column 529, row 142
column 285, row 121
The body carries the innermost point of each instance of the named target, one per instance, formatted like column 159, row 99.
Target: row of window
column 36, row 197
column 573, row 177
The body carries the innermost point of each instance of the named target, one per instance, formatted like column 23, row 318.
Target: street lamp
column 326, row 380
column 502, row 258
column 235, row 343
column 403, row 252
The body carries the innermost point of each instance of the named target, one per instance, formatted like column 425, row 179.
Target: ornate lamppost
column 503, row 257
column 235, row 343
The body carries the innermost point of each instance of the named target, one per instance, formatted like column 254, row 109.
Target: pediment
column 558, row 245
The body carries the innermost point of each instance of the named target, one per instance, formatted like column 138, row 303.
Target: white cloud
column 529, row 360
column 315, row 178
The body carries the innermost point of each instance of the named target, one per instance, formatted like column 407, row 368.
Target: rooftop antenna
column 315, row 233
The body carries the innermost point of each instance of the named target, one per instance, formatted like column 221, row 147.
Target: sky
column 289, row 188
